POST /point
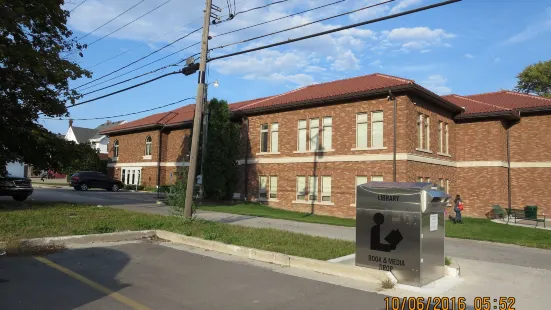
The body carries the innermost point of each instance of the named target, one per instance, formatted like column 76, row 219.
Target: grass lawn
column 259, row 210
column 474, row 228
column 32, row 220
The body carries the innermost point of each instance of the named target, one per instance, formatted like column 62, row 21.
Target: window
column 442, row 183
column 326, row 189
column 376, row 178
column 262, row 187
column 420, row 179
column 302, row 135
column 428, row 180
column 427, row 133
column 447, row 186
column 361, row 130
column 359, row 181
column 301, row 188
column 313, row 188
column 440, row 137
column 447, row 139
column 274, row 138
column 131, row 176
column 377, row 129
column 327, row 132
column 116, row 148
column 123, row 174
column 148, row 146
column 420, row 131
column 264, row 138
column 314, row 134
column 273, row 187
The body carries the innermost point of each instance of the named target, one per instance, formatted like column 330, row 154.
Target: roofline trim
column 507, row 114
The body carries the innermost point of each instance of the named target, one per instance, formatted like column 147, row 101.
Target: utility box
column 400, row 228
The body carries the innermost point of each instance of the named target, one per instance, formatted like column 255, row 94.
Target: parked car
column 83, row 180
column 16, row 187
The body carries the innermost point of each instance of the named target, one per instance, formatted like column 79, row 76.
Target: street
column 152, row 276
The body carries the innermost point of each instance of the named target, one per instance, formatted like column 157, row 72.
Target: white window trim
column 427, row 132
column 424, row 150
column 420, row 131
column 268, row 153
column 309, row 144
column 330, row 189
column 267, row 130
column 323, row 127
column 303, row 152
column 368, row 148
column 298, row 135
column 447, row 133
column 147, row 156
column 356, row 188
column 443, row 154
column 310, row 202
column 260, row 187
column 372, row 123
column 148, row 144
column 297, row 193
column 440, row 137
column 270, row 179
column 271, row 137
column 366, row 129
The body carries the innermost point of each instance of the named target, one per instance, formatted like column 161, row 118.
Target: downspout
column 247, row 150
column 508, row 169
column 391, row 97
column 159, row 162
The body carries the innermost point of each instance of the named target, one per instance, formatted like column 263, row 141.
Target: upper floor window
column 264, row 138
column 377, row 129
column 302, row 134
column 327, row 132
column 116, row 148
column 427, row 133
column 314, row 134
column 148, row 146
column 361, row 130
column 441, row 137
column 447, row 139
column 423, row 133
column 420, row 131
column 274, row 138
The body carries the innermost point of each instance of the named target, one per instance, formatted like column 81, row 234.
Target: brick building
column 307, row 149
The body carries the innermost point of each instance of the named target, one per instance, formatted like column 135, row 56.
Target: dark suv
column 18, row 188
column 83, row 180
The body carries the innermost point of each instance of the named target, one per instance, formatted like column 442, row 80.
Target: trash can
column 400, row 228
column 531, row 212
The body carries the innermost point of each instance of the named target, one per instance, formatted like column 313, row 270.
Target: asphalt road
column 151, row 276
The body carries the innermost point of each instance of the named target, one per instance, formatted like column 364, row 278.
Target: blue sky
column 469, row 47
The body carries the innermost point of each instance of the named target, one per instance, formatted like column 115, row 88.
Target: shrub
column 176, row 196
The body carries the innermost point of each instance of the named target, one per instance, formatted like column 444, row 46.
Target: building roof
column 347, row 88
column 513, row 100
column 472, row 106
column 83, row 134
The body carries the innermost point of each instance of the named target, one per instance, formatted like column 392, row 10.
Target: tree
column 536, row 79
column 220, row 168
column 82, row 157
column 34, row 80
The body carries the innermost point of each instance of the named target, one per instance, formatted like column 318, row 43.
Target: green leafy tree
column 220, row 167
column 536, row 79
column 82, row 157
column 34, row 79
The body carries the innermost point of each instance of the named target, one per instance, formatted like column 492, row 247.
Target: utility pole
column 198, row 112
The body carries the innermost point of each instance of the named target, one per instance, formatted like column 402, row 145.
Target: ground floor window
column 273, row 187
column 131, row 176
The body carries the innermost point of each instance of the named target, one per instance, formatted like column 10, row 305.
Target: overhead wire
column 260, row 7
column 140, row 59
column 112, row 19
column 231, row 15
column 371, row 21
column 302, row 25
column 279, row 18
column 149, row 63
column 119, row 115
column 129, row 23
column 71, row 11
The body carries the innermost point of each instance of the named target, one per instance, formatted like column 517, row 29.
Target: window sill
column 147, row 157
column 353, row 205
column 267, row 153
column 306, row 202
column 368, row 148
column 114, row 158
column 444, row 154
column 318, row 151
column 423, row 150
column 267, row 200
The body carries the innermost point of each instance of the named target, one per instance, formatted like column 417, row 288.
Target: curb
column 84, row 239
column 349, row 271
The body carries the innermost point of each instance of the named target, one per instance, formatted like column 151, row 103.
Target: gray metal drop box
column 400, row 228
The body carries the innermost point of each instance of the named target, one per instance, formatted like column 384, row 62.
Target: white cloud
column 424, row 51
column 419, row 33
column 369, row 13
column 469, row 56
column 437, row 83
column 346, row 61
column 413, row 39
column 533, row 30
column 298, row 79
column 376, row 63
column 402, row 5
column 314, row 69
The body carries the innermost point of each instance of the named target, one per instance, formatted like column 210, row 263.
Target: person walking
column 458, row 207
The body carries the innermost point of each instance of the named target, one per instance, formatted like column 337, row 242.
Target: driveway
column 160, row 276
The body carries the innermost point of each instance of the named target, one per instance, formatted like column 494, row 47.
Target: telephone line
column 120, row 115
column 123, row 26
column 303, row 25
column 77, row 6
column 140, row 59
column 112, row 19
column 147, row 64
column 371, row 21
column 279, row 18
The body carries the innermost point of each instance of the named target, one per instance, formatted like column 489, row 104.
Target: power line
column 123, row 26
column 77, row 6
column 112, row 19
column 120, row 115
column 303, row 25
column 140, row 59
column 232, row 15
column 147, row 64
column 130, row 79
column 125, row 89
column 279, row 18
column 259, row 7
column 144, row 44
column 338, row 29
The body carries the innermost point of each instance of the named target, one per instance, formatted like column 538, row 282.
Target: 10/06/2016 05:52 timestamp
column 449, row 303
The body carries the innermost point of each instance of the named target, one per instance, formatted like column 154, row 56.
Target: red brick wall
column 132, row 146
column 530, row 140
column 531, row 187
column 481, row 141
column 481, row 188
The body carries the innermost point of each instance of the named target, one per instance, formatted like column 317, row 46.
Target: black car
column 18, row 188
column 83, row 180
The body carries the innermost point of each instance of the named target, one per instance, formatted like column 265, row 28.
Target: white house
column 92, row 136
column 16, row 169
